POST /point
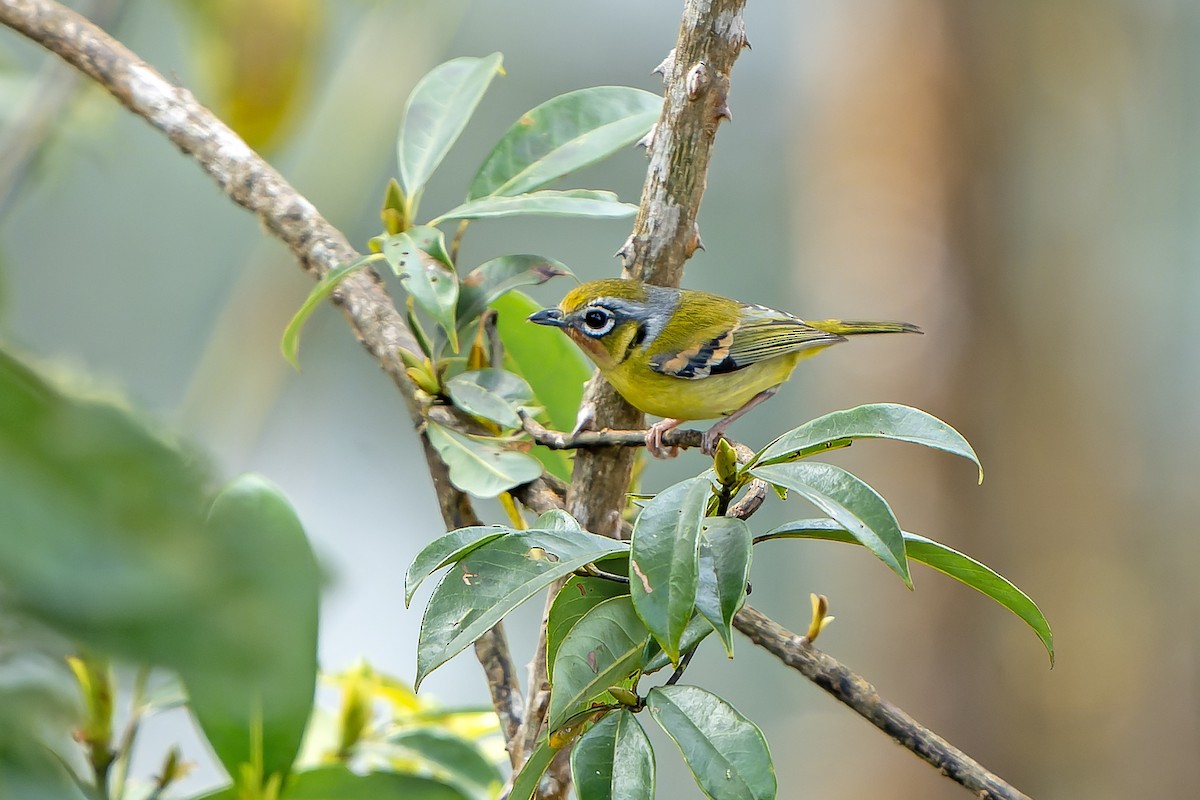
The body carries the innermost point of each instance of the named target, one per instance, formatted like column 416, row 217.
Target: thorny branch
column 664, row 236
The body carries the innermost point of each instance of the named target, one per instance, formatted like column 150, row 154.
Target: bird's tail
column 846, row 327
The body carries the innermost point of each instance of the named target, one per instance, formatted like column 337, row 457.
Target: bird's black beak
column 548, row 316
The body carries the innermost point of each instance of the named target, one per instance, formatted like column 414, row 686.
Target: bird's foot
column 712, row 437
column 654, row 438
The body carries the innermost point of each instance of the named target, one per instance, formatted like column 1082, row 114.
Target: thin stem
column 683, row 665
column 137, row 703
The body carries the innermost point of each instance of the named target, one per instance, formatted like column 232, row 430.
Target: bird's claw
column 654, row 439
column 712, row 437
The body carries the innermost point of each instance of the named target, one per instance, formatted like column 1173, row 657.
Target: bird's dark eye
column 597, row 319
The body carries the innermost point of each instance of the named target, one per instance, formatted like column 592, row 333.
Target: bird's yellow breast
column 703, row 398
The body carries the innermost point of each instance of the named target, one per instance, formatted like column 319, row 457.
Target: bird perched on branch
column 686, row 355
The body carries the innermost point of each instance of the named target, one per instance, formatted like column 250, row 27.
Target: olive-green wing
column 760, row 334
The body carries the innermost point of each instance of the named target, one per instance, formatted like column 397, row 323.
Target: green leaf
column 614, row 760
column 602, row 649
column 564, row 134
column 557, row 520
column 446, row 550
column 452, row 754
column 724, row 568
column 663, row 560
column 435, row 115
column 726, row 752
column 479, row 467
column 698, row 629
column 526, row 781
column 290, row 344
column 273, row 699
column 578, row 596
column 876, row 421
column 944, row 559
column 494, row 579
column 467, row 393
column 339, row 783
column 430, row 283
column 544, row 203
column 850, row 501
column 554, row 367
column 494, row 278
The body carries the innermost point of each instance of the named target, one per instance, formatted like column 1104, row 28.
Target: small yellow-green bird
column 685, row 355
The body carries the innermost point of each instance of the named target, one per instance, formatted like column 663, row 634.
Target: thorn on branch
column 666, row 67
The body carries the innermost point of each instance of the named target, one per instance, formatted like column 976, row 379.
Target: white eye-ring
column 597, row 321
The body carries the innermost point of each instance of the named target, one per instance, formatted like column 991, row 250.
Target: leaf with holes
column 430, row 283
column 494, row 579
column 494, row 278
column 446, row 550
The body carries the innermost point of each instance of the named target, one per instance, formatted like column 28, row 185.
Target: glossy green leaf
column 526, row 781
column 850, row 501
column 557, row 519
column 944, row 559
column 445, row 550
column 564, row 134
column 875, row 421
column 724, row 561
column 726, row 752
column 468, row 393
column 479, row 467
column 544, row 203
column 492, row 580
column 505, row 384
column 272, row 700
column 430, row 283
column 614, row 760
column 339, row 783
column 435, row 115
column 697, row 630
column 494, row 278
column 601, row 650
column 554, row 367
column 578, row 596
column 663, row 560
column 460, row 759
column 289, row 345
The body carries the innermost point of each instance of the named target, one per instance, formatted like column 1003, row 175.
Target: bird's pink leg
column 714, row 434
column 654, row 438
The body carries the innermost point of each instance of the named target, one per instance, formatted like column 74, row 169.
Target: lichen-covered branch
column 285, row 213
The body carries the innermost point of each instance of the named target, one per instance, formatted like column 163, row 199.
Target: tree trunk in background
column 1019, row 179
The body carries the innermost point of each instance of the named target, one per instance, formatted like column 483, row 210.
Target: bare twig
column 858, row 694
column 287, row 215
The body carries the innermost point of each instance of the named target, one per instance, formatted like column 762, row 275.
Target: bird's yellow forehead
column 585, row 293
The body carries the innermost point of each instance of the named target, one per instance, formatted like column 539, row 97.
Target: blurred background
column 1021, row 179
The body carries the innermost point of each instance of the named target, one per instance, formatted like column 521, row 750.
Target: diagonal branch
column 853, row 690
column 286, row 214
